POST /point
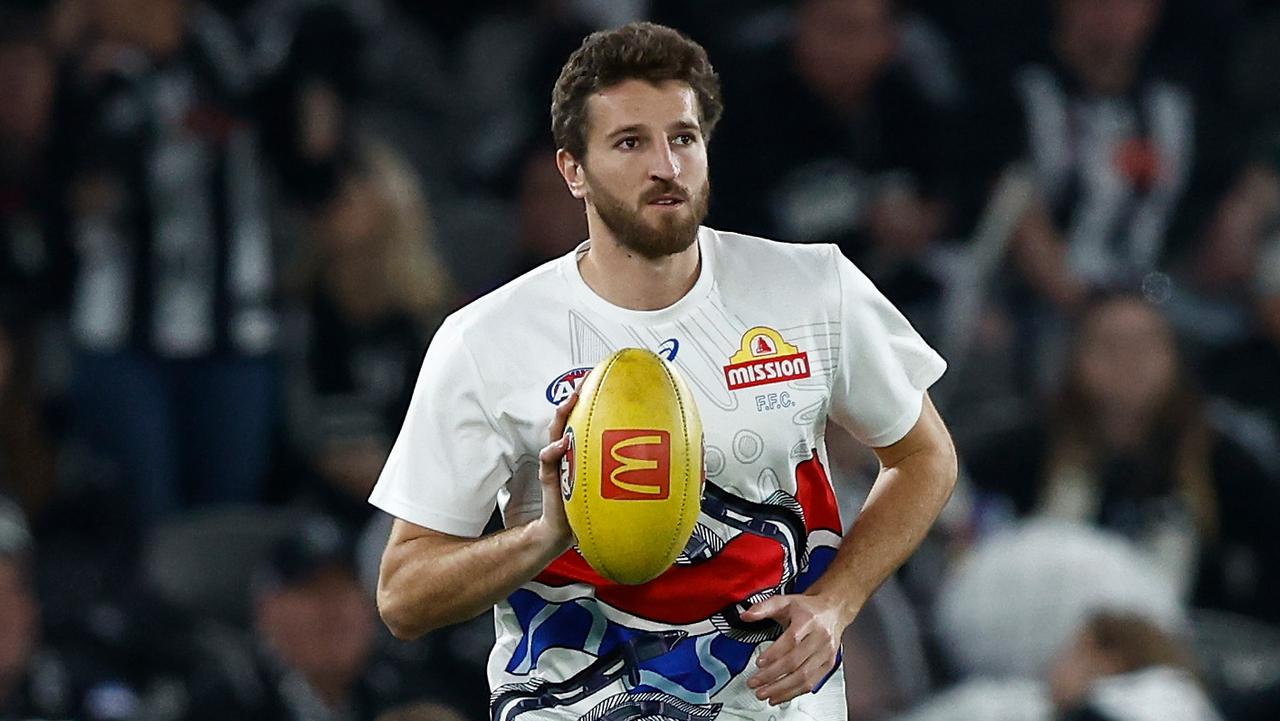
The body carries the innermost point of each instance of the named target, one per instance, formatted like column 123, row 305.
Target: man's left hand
column 806, row 650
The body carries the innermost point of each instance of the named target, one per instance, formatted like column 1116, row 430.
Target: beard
column 673, row 233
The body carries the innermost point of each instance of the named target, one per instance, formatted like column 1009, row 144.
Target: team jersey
column 773, row 339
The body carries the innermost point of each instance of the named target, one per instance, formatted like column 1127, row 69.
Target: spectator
column 172, row 317
column 306, row 102
column 33, row 264
column 1119, row 665
column 37, row 680
column 1123, row 667
column 1127, row 445
column 1113, row 144
column 374, row 290
column 315, row 628
column 846, row 147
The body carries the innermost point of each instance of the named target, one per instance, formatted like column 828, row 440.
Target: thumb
column 772, row 607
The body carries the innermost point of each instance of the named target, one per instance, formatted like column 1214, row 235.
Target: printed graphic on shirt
column 741, row 552
column 765, row 358
column 559, row 390
column 669, row 348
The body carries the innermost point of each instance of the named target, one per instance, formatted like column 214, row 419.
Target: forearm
column 903, row 504
column 432, row 581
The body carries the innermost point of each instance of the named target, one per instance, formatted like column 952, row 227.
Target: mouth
column 667, row 201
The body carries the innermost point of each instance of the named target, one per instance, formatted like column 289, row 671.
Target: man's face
column 323, row 627
column 842, row 47
column 1107, row 33
column 645, row 174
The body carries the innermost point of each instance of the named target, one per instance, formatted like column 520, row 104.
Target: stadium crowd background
column 228, row 229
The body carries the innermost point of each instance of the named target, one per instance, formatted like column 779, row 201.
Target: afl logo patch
column 567, row 466
column 563, row 386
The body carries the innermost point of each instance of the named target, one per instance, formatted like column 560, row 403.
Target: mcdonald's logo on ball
column 635, row 474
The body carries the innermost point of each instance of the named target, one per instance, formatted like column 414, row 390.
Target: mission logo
column 763, row 359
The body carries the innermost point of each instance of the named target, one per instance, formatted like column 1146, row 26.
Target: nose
column 663, row 163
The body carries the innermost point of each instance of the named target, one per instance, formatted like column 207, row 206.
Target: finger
column 784, row 645
column 794, row 656
column 550, row 455
column 774, row 607
column 801, row 681
column 786, row 655
column 561, row 418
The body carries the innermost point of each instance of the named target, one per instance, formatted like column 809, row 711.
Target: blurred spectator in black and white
column 172, row 317
column 315, row 632
column 836, row 138
column 370, row 291
column 1127, row 444
column 1111, row 144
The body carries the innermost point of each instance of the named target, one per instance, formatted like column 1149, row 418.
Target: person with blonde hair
column 372, row 290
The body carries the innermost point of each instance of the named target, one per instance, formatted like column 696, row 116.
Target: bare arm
column 916, row 477
column 430, row 579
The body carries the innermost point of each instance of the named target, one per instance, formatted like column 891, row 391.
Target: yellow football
column 632, row 475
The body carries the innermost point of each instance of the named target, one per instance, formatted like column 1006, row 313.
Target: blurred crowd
column 228, row 229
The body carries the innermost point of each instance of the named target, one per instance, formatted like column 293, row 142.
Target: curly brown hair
column 636, row 51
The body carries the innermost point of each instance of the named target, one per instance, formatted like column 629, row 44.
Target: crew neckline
column 701, row 287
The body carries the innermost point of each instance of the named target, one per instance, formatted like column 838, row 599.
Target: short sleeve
column 451, row 458
column 883, row 367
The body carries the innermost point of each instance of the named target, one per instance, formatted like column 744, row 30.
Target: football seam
column 684, row 432
column 591, row 413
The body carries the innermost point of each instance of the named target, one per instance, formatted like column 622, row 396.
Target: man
column 172, row 312
column 1112, row 142
column 315, row 635
column 631, row 114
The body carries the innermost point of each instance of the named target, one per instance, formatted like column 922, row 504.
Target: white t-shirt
column 772, row 339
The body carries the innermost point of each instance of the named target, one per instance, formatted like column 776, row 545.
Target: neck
column 632, row 281
column 1124, row 428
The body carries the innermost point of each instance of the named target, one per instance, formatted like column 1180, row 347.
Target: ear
column 574, row 174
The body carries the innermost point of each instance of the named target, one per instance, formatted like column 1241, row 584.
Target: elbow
column 948, row 471
column 402, row 619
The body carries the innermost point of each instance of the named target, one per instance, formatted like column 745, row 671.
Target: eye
column 685, row 139
column 630, row 142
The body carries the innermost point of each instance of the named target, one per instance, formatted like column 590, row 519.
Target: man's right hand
column 554, row 524
column 429, row 579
